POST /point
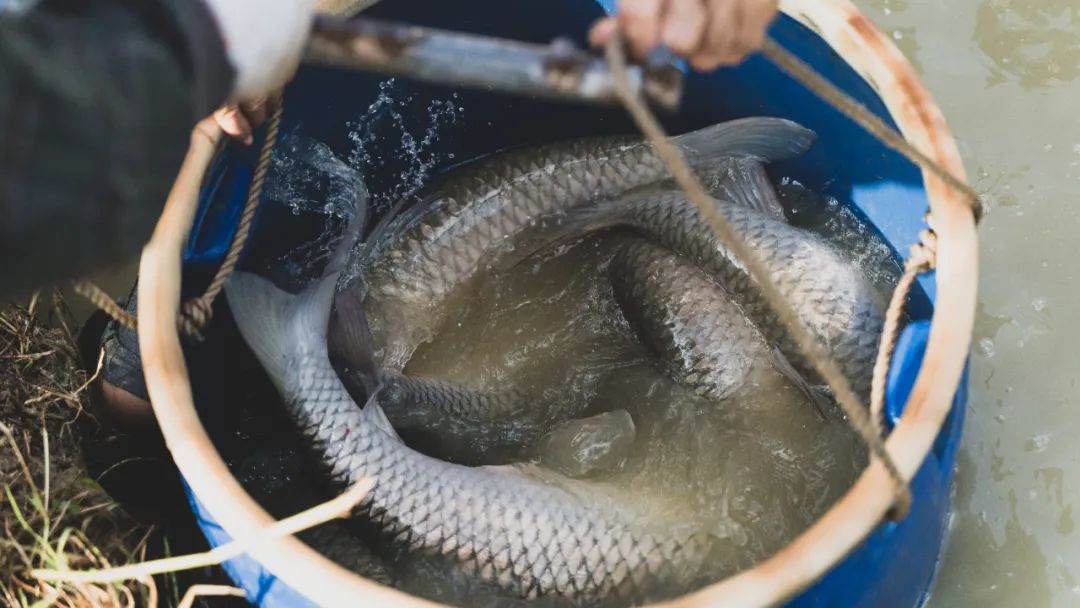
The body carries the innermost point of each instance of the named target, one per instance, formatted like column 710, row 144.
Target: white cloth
column 264, row 39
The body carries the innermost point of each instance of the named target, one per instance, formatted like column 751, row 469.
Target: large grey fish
column 453, row 421
column 463, row 423
column 415, row 261
column 831, row 296
column 531, row 533
column 703, row 338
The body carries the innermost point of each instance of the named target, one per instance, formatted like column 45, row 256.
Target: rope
column 197, row 312
column 860, row 115
column 923, row 257
column 857, row 414
column 99, row 298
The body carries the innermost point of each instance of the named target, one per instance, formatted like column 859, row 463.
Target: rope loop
column 196, row 313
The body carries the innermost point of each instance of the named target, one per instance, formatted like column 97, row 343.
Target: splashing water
column 417, row 151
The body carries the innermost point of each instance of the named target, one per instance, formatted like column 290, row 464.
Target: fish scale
column 467, row 504
column 701, row 335
column 481, row 211
column 830, row 296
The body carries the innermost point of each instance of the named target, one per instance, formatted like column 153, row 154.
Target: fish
column 703, row 338
column 463, row 423
column 452, row 421
column 531, row 532
column 831, row 296
column 335, row 542
column 415, row 261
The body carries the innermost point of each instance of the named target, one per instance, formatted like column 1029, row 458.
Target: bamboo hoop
column 781, row 576
column 167, row 381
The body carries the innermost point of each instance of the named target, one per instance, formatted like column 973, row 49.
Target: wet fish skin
column 422, row 401
column 704, row 339
column 479, row 212
column 462, row 423
column 831, row 296
column 530, row 533
column 336, row 543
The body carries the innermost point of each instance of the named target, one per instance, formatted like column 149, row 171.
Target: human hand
column 708, row 33
column 263, row 40
column 240, row 120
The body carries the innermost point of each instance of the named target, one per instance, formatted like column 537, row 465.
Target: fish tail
column 764, row 138
column 277, row 325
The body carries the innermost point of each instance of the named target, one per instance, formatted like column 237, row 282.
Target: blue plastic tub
column 895, row 566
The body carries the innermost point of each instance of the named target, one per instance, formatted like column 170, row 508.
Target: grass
column 52, row 515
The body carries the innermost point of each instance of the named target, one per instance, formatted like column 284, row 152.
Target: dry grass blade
column 196, row 591
column 52, row 515
column 334, row 508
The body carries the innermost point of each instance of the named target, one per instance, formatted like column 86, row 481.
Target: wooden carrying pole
column 781, row 576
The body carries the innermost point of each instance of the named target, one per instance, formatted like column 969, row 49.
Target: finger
column 234, row 124
column 602, row 31
column 719, row 34
column 756, row 20
column 684, row 26
column 640, row 21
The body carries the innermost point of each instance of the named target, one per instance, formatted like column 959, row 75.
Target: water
column 755, row 469
column 1005, row 73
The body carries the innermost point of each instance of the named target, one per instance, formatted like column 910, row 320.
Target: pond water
column 1005, row 74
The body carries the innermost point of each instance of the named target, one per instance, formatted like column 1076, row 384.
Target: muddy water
column 754, row 469
column 1006, row 75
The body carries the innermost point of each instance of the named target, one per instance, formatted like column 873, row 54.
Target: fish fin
column 276, row 324
column 349, row 339
column 764, row 138
column 820, row 401
column 375, row 414
column 565, row 229
column 745, row 183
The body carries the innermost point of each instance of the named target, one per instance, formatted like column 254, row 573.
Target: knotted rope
column 197, row 312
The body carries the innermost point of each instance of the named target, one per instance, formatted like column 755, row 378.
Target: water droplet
column 897, row 35
column 1038, row 304
column 1048, row 147
column 986, row 347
